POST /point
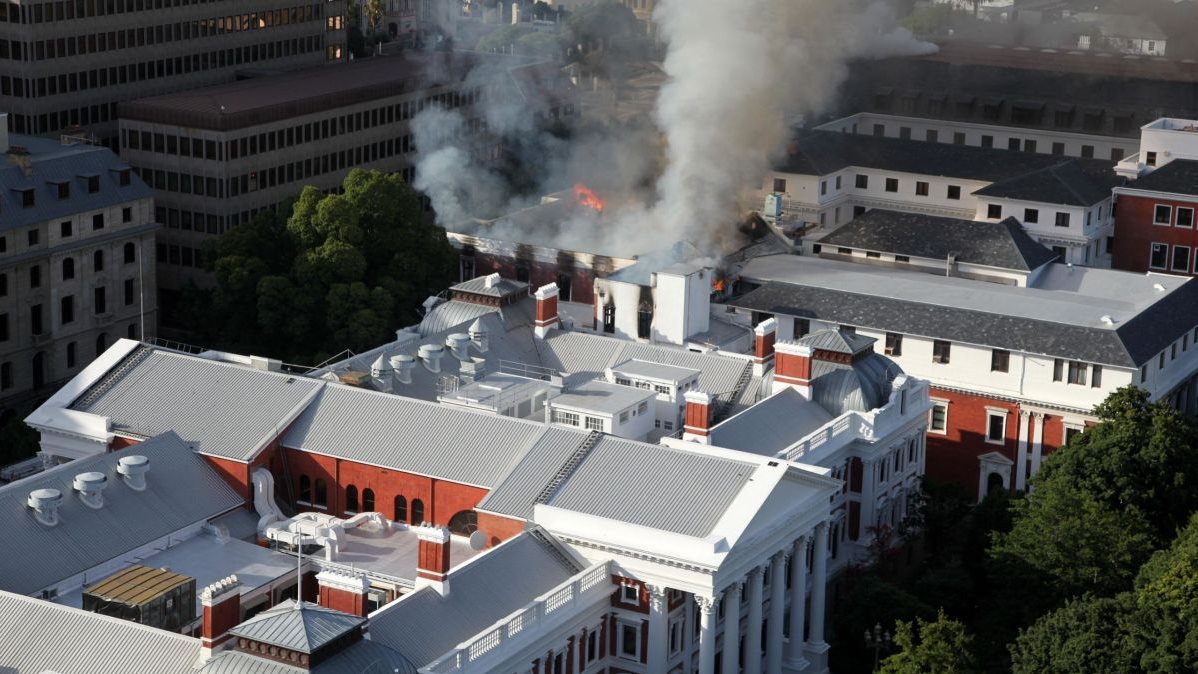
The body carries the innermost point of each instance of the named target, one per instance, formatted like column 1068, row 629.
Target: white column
column 817, row 649
column 688, row 630
column 707, row 607
column 1021, row 455
column 869, row 501
column 658, row 629
column 798, row 605
column 773, row 641
column 1037, row 440
column 753, row 624
column 731, row 660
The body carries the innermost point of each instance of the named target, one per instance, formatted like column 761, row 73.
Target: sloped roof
column 424, row 625
column 1003, row 245
column 500, row 287
column 298, row 626
column 771, row 425
column 1071, row 183
column 40, row 636
column 517, row 492
column 224, row 409
column 1179, row 176
column 363, row 656
column 837, row 341
column 181, row 489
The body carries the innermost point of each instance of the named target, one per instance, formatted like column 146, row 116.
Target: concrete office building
column 68, row 63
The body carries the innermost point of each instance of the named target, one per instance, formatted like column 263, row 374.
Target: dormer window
column 124, row 177
column 93, row 184
column 64, row 190
column 28, row 198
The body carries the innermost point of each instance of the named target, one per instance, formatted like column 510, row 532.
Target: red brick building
column 1155, row 228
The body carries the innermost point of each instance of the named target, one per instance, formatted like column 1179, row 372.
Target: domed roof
column 858, row 380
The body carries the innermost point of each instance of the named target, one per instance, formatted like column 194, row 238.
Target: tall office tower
column 65, row 64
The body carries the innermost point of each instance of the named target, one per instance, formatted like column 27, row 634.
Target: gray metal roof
column 502, row 287
column 1061, row 319
column 55, row 163
column 838, row 341
column 224, row 409
column 449, row 442
column 517, row 492
column 181, row 489
column 652, row 370
column 451, row 314
column 298, row 626
column 771, row 425
column 860, row 387
column 40, row 636
column 1003, row 245
column 653, row 486
column 425, row 625
column 601, row 397
column 358, row 658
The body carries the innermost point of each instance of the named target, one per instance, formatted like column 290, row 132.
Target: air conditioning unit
column 773, row 205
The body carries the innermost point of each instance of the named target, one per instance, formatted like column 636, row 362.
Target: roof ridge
column 129, row 624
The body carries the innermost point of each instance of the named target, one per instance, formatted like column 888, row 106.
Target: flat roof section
column 601, row 397
column 651, row 370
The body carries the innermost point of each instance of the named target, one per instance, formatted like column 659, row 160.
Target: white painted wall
column 682, row 305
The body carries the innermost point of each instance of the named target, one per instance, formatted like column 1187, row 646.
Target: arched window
column 994, row 483
column 351, row 499
column 401, row 509
column 130, row 253
column 464, row 523
column 98, row 260
column 417, row 511
column 68, row 268
column 305, row 489
column 322, row 494
column 368, row 500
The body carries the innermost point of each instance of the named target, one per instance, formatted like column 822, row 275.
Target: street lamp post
column 877, row 639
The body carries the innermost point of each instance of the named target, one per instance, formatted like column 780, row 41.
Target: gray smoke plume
column 738, row 74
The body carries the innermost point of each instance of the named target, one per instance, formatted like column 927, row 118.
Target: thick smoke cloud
column 739, row 74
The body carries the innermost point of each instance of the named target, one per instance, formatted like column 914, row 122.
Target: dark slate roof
column 1076, row 182
column 55, row 163
column 826, row 152
column 1132, row 344
column 1004, row 245
column 1179, row 176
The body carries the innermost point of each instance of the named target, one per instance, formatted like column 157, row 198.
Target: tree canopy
column 942, row 646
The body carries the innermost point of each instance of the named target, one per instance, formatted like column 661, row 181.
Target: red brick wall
column 698, row 418
column 546, row 310
column 1135, row 232
column 237, row 474
column 499, row 528
column 434, row 557
column 221, row 618
column 617, row 596
column 342, row 600
column 789, row 367
column 120, row 442
column 953, row 456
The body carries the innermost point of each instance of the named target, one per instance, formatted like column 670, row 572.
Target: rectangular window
column 630, row 642
column 1181, row 259
column 996, row 427
column 921, row 189
column 1150, row 158
column 862, row 181
column 994, row 211
column 1058, row 148
column 67, row 309
column 567, row 418
column 1159, row 257
column 1031, row 215
column 892, row 184
column 99, row 302
column 940, row 351
column 594, row 424
column 938, row 422
column 779, row 184
column 803, row 327
column 1162, row 215
column 1077, row 373
column 1095, row 376
column 987, row 140
column 32, row 235
column 932, row 136
column 98, row 221
column 1058, row 369
column 1062, row 220
column 65, row 229
column 1160, row 361
column 1000, row 360
column 1185, row 217
column 630, row 594
column 894, row 344
column 128, row 291
column 954, row 192
column 35, row 319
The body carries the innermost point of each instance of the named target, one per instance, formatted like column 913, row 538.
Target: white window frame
column 593, row 423
column 992, row 412
column 932, row 417
column 1173, row 259
column 1152, row 250
column 635, row 600
column 1067, row 426
column 1177, row 217
column 677, row 624
column 1168, row 222
column 636, row 640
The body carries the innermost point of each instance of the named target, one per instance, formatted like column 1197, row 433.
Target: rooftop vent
column 45, row 504
column 1158, row 287
column 1107, row 320
column 459, row 343
column 492, row 280
column 479, row 335
column 134, row 468
column 380, row 368
column 91, row 488
column 431, row 354
column 402, row 366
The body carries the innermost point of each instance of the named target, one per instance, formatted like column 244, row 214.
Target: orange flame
column 586, row 197
column 717, row 286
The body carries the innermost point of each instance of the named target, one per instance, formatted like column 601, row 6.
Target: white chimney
column 45, row 504
column 431, row 354
column 402, row 366
column 134, row 468
column 492, row 280
column 91, row 488
column 459, row 343
column 478, row 335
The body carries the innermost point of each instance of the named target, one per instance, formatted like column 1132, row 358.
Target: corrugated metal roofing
column 449, row 442
column 40, row 636
column 224, row 409
column 644, row 368
column 452, row 314
column 653, row 486
column 296, row 626
column 55, row 163
column 517, row 492
column 181, row 489
column 424, row 625
column 771, row 425
column 137, row 584
column 363, row 657
column 837, row 341
column 599, row 396
column 499, row 287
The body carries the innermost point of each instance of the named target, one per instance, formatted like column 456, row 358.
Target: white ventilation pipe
column 479, row 336
column 402, row 366
column 380, row 369
column 459, row 343
column 91, row 488
column 134, row 468
column 430, row 355
column 264, row 499
column 45, row 504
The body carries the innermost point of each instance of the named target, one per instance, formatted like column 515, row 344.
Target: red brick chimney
column 697, row 427
column 222, row 612
column 432, row 566
column 792, row 367
column 343, row 592
column 763, row 345
column 546, row 297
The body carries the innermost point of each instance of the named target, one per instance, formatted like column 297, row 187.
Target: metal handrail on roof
column 114, row 375
column 568, row 467
column 525, row 370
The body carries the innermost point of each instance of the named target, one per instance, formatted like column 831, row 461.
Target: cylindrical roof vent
column 134, row 468
column 431, row 354
column 402, row 365
column 459, row 343
column 380, row 368
column 45, row 504
column 91, row 488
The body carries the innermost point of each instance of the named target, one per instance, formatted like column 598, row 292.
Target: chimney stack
column 763, row 345
column 792, row 367
column 222, row 612
column 19, row 155
column 698, row 417
column 432, row 567
column 546, row 309
column 343, row 592
column 134, row 468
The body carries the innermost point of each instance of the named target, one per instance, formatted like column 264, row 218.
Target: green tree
column 372, row 14
column 1083, row 636
column 942, row 646
column 1166, row 620
column 868, row 601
